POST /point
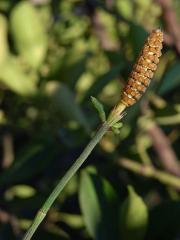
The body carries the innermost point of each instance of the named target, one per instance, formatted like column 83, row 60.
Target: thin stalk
column 151, row 172
column 64, row 180
column 114, row 117
column 170, row 120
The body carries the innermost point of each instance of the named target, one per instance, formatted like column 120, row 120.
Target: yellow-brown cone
column 144, row 69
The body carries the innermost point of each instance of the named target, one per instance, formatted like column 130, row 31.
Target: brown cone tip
column 143, row 69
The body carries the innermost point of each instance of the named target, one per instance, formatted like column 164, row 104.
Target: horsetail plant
column 138, row 82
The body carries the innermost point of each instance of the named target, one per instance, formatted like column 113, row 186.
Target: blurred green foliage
column 55, row 55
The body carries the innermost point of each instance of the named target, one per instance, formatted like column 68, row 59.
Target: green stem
column 114, row 117
column 64, row 180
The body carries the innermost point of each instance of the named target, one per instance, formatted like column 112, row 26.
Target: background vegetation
column 54, row 55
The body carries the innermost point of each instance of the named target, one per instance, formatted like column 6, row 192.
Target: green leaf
column 118, row 125
column 63, row 104
column 29, row 33
column 125, row 8
column 13, row 76
column 103, row 80
column 171, row 79
column 133, row 217
column 72, row 220
column 99, row 206
column 4, row 48
column 72, row 68
column 21, row 191
column 115, row 130
column 99, row 107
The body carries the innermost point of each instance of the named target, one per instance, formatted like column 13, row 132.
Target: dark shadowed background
column 54, row 55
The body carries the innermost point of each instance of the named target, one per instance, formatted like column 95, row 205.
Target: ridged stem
column 114, row 117
column 64, row 180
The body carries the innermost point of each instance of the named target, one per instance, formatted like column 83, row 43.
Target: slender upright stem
column 114, row 117
column 64, row 180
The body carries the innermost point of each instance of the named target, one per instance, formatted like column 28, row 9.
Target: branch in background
column 8, row 150
column 40, row 2
column 161, row 143
column 8, row 218
column 109, row 4
column 93, row 4
column 169, row 120
column 162, row 146
column 173, row 27
column 99, row 28
column 150, row 172
column 101, row 33
column 97, row 4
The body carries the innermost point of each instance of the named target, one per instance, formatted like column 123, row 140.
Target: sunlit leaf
column 103, row 80
column 99, row 206
column 4, row 48
column 21, row 191
column 62, row 102
column 133, row 217
column 29, row 33
column 13, row 77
